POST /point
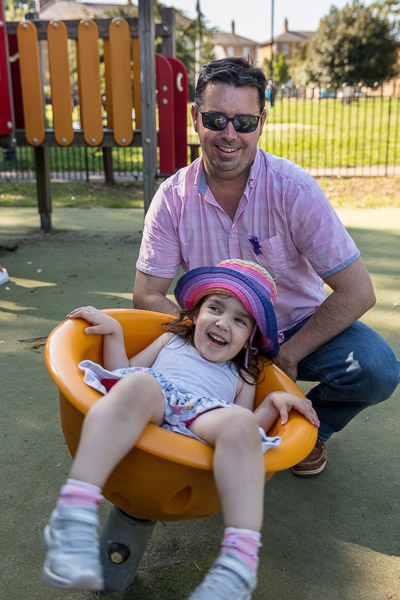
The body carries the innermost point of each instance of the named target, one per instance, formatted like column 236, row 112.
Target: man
column 236, row 201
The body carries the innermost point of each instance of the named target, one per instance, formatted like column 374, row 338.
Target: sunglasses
column 218, row 121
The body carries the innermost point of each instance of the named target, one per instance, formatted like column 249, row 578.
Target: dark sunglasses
column 218, row 121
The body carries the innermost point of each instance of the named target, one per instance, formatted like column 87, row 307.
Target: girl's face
column 223, row 328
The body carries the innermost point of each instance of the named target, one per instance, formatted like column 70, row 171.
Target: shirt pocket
column 273, row 255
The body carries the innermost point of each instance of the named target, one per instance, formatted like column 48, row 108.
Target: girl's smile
column 223, row 327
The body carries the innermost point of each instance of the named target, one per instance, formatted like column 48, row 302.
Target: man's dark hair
column 236, row 71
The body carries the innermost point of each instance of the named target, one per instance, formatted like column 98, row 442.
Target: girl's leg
column 239, row 477
column 110, row 430
column 114, row 424
column 238, row 464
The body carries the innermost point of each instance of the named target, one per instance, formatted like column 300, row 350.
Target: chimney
column 286, row 24
column 233, row 27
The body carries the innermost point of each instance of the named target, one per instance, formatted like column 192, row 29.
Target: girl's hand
column 284, row 402
column 102, row 324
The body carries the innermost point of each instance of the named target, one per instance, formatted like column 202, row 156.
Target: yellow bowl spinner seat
column 166, row 476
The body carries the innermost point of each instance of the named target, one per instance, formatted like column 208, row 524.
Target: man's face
column 228, row 154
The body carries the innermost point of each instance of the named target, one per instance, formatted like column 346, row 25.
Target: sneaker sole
column 82, row 583
column 309, row 473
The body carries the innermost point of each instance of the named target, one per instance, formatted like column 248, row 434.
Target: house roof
column 231, row 39
column 291, row 37
column 181, row 18
column 69, row 9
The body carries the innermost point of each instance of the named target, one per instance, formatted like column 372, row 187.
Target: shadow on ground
column 334, row 537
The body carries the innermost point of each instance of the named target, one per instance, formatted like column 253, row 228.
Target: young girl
column 205, row 361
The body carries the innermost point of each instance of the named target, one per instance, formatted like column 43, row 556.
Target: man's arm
column 351, row 297
column 149, row 293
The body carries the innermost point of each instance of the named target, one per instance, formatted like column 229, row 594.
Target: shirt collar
column 202, row 180
column 254, row 171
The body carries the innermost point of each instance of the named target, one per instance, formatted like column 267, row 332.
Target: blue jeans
column 356, row 369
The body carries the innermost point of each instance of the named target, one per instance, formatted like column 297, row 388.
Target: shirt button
column 233, row 235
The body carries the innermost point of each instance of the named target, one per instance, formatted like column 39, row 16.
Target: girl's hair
column 184, row 327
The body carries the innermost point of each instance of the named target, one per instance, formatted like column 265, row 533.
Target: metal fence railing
column 337, row 132
column 71, row 163
column 328, row 132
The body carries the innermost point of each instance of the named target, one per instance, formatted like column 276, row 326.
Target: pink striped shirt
column 301, row 238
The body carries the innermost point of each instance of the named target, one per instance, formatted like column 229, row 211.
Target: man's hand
column 286, row 363
column 351, row 297
column 102, row 324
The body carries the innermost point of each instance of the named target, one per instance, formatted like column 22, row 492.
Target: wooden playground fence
column 126, row 89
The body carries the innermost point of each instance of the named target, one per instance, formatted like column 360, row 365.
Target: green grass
column 354, row 192
column 75, row 194
column 326, row 133
column 75, row 158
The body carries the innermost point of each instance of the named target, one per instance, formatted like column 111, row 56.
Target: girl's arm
column 245, row 394
column 114, row 355
column 146, row 357
column 280, row 404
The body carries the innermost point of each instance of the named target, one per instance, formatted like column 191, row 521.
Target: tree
column 15, row 10
column 357, row 43
column 276, row 69
column 298, row 68
column 186, row 37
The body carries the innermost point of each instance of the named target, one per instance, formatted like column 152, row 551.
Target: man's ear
column 263, row 118
column 195, row 115
column 194, row 319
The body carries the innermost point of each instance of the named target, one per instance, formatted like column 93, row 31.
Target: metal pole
column 272, row 36
column 148, row 98
column 198, row 42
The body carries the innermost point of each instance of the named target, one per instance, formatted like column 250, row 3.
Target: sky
column 253, row 17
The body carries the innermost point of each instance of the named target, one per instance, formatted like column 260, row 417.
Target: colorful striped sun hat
column 243, row 279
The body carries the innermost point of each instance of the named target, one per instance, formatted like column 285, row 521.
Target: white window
column 246, row 51
column 230, row 51
column 285, row 48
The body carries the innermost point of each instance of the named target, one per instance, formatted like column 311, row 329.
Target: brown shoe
column 313, row 464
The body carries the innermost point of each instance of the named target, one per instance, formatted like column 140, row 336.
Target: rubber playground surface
column 334, row 537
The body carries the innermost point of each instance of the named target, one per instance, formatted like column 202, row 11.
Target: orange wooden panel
column 89, row 82
column 136, row 83
column 121, row 81
column 109, row 96
column 57, row 36
column 78, row 71
column 31, row 84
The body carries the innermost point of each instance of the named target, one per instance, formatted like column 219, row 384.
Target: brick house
column 286, row 43
column 230, row 44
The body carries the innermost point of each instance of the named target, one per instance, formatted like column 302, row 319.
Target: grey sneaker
column 70, row 541
column 4, row 278
column 228, row 579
